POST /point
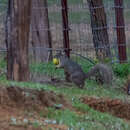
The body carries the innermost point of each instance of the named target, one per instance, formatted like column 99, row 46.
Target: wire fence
column 80, row 31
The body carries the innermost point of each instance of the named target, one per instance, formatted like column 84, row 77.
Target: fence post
column 65, row 27
column 120, row 29
column 99, row 29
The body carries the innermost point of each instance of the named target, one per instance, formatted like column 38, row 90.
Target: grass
column 83, row 117
column 74, row 17
column 127, row 16
column 101, row 120
column 86, row 118
column 73, row 2
column 83, row 15
column 46, row 69
column 51, row 2
column 80, row 16
column 73, row 92
column 3, row 1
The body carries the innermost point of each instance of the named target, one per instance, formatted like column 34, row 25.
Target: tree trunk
column 41, row 36
column 120, row 30
column 99, row 28
column 17, row 38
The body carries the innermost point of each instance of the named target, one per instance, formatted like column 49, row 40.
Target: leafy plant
column 121, row 70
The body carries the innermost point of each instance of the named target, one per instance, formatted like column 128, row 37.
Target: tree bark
column 41, row 36
column 17, row 38
column 99, row 28
column 120, row 30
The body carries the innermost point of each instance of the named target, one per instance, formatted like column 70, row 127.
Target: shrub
column 121, row 70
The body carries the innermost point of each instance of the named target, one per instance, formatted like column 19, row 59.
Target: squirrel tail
column 102, row 72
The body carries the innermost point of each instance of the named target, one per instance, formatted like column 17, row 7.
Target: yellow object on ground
column 55, row 61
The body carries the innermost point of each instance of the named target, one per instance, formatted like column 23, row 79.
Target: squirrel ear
column 59, row 52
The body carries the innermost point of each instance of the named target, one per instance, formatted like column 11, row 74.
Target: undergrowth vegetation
column 120, row 70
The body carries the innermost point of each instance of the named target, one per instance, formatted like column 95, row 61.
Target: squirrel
column 76, row 74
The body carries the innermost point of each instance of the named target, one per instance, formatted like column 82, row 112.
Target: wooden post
column 99, row 28
column 65, row 33
column 65, row 27
column 120, row 28
column 41, row 34
column 17, row 38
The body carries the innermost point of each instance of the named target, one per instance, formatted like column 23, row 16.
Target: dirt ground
column 20, row 108
column 115, row 107
column 24, row 121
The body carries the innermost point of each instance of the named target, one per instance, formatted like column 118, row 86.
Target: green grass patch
column 3, row 1
column 87, row 118
column 74, row 17
column 121, row 70
column 46, row 69
column 58, row 2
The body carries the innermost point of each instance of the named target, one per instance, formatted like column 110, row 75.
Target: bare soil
column 20, row 108
column 115, row 107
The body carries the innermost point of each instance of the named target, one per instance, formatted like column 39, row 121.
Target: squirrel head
column 60, row 59
column 60, row 54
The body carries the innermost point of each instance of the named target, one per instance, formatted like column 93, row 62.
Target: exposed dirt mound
column 21, row 106
column 114, row 106
column 16, row 119
column 30, row 98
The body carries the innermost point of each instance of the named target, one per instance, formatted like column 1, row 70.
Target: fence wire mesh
column 80, row 32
